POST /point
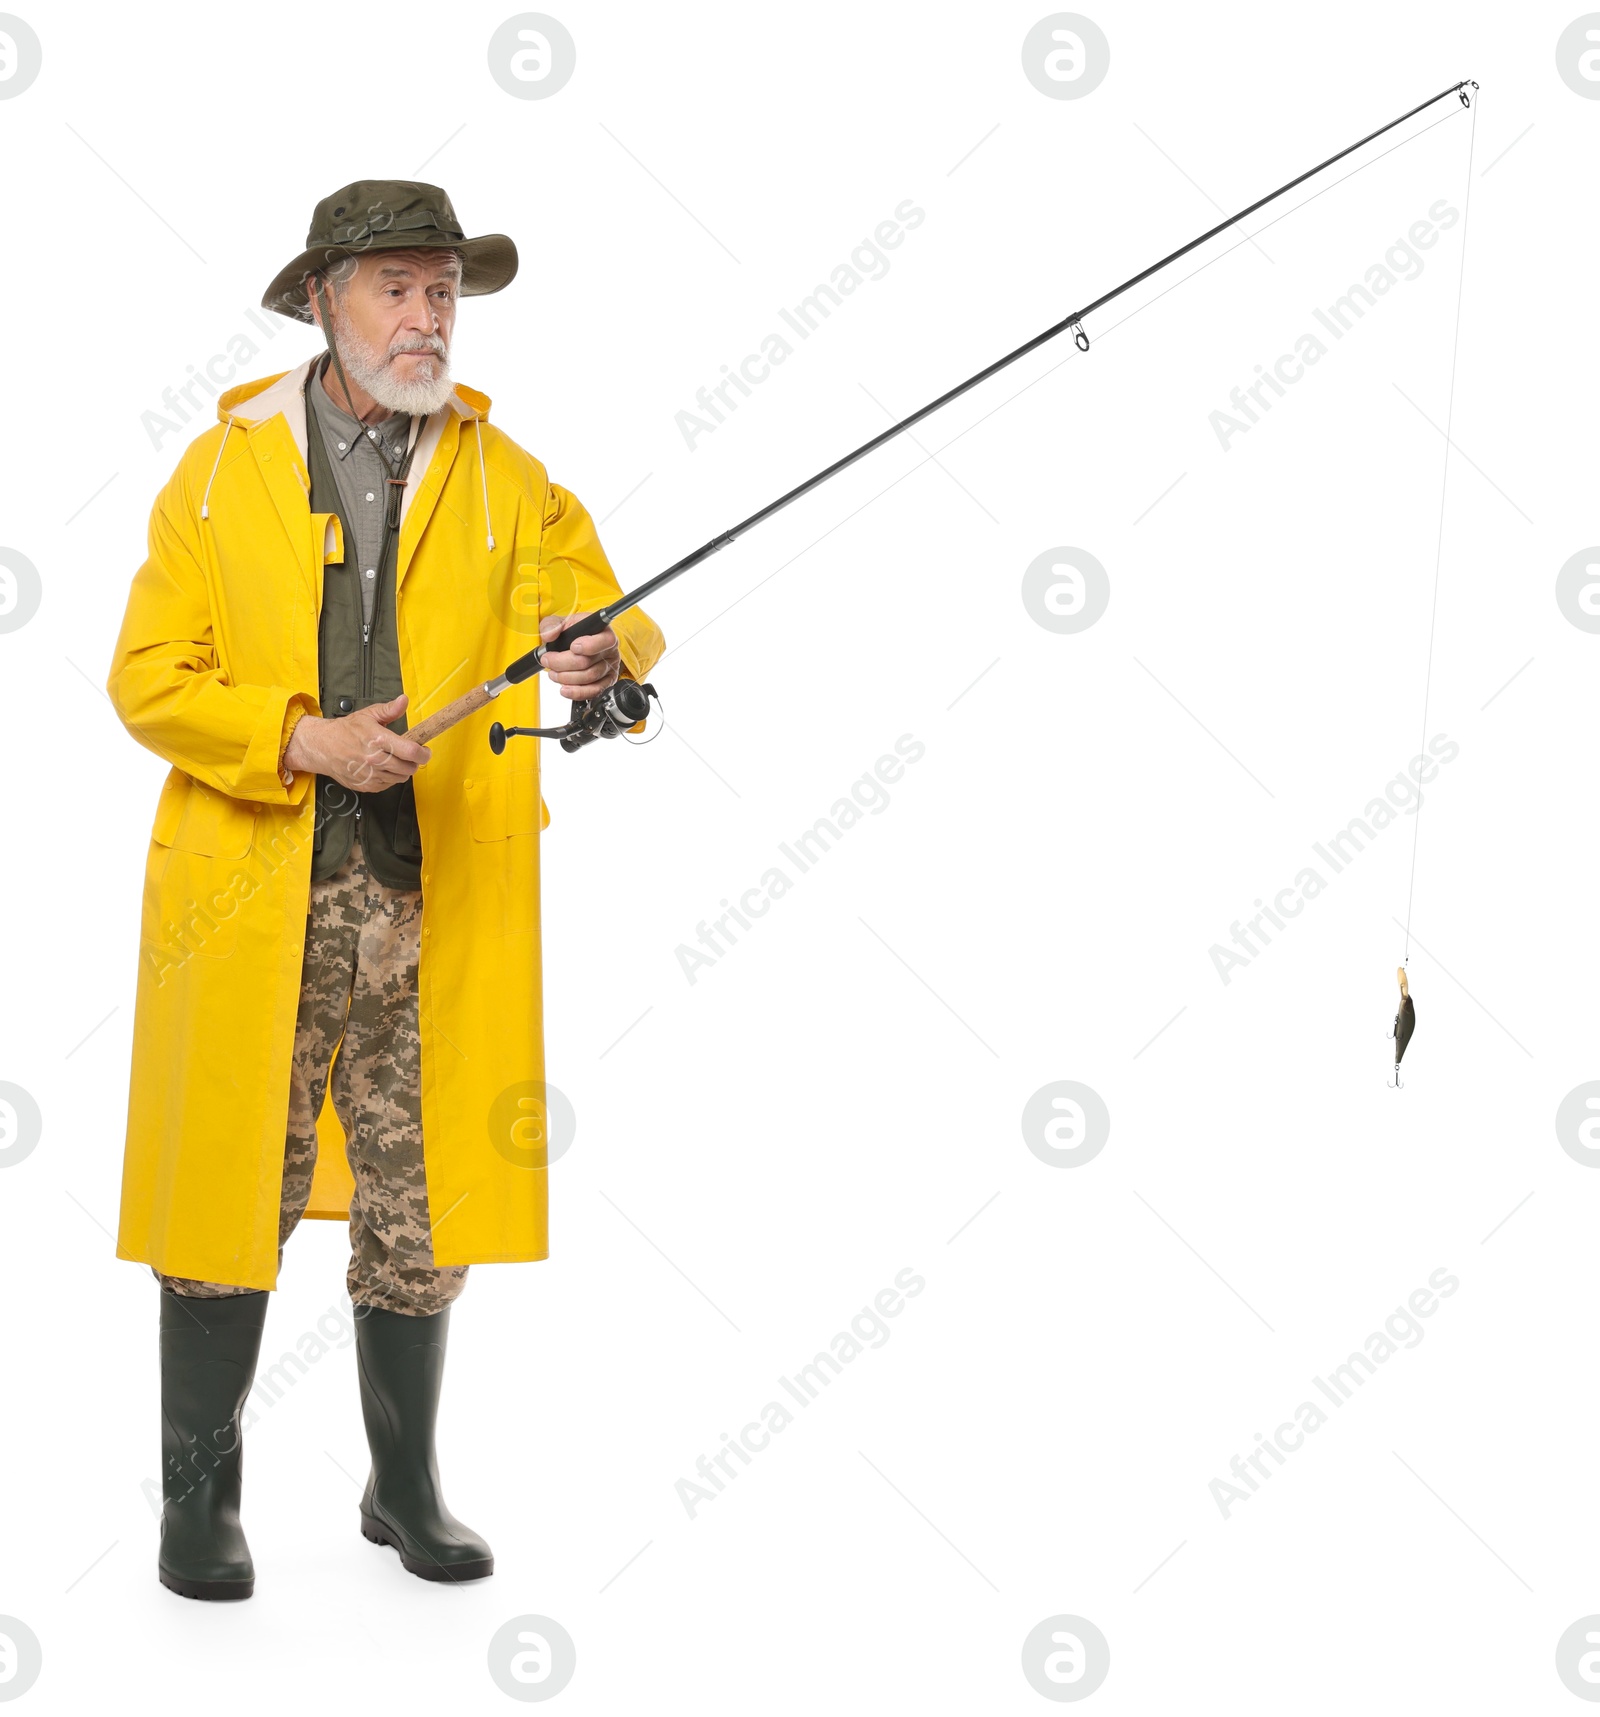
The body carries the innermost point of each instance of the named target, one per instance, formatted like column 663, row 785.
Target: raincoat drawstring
column 205, row 500
column 483, row 474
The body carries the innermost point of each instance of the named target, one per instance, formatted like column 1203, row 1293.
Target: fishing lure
column 1405, row 1022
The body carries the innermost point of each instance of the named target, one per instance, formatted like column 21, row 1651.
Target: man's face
column 393, row 322
column 403, row 303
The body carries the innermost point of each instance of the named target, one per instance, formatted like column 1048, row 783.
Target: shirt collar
column 342, row 431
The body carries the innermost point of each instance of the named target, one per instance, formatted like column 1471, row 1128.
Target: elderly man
column 332, row 910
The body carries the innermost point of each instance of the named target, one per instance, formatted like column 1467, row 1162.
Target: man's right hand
column 356, row 750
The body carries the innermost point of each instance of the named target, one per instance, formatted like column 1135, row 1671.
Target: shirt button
column 341, row 447
column 371, row 496
column 372, row 435
column 345, row 706
column 371, row 572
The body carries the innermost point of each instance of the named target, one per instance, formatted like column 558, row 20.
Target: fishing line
column 1405, row 1019
column 1444, row 485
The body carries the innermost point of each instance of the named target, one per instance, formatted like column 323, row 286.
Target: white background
column 835, row 1100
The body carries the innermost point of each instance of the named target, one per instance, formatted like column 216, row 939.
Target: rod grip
column 469, row 703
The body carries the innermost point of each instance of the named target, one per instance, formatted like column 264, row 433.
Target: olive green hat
column 389, row 214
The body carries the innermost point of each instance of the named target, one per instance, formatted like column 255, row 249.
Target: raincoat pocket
column 505, row 802
column 195, row 819
column 192, row 890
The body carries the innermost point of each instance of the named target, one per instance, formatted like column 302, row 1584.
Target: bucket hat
column 389, row 214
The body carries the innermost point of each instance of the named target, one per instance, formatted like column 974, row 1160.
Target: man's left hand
column 591, row 666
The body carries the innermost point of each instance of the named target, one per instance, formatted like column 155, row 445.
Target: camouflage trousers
column 358, row 993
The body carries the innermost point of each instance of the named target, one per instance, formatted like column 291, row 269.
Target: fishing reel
column 612, row 713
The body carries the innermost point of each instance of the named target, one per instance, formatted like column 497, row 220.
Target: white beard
column 424, row 393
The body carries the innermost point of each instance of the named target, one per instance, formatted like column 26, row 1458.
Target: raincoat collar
column 256, row 406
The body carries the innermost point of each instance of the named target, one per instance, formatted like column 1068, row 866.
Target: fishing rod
column 627, row 703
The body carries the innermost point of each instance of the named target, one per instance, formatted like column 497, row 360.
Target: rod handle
column 469, row 703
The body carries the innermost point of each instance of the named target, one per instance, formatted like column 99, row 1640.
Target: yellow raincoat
column 217, row 650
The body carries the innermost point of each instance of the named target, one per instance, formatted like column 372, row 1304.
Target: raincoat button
column 345, row 706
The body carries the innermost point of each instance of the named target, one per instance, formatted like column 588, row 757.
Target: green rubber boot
column 208, row 1363
column 401, row 1364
